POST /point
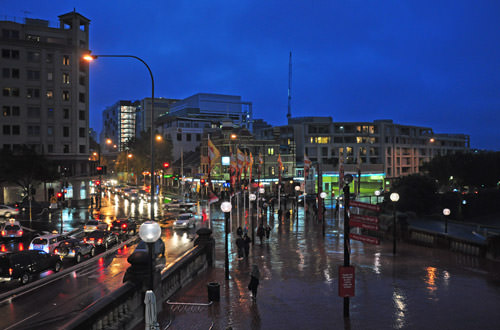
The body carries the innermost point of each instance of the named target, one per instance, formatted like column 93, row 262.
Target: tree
column 26, row 169
column 417, row 193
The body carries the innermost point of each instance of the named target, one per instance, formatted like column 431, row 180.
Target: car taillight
column 99, row 241
column 3, row 232
column 10, row 271
column 56, row 251
column 20, row 232
column 124, row 226
column 85, row 240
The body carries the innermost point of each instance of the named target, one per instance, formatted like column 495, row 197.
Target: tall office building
column 118, row 124
column 45, row 89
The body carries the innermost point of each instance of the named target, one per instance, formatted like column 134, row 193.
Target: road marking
column 16, row 324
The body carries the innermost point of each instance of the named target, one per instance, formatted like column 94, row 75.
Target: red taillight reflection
column 21, row 247
column 3, row 232
column 21, row 233
column 85, row 240
column 124, row 226
column 10, row 271
column 3, row 248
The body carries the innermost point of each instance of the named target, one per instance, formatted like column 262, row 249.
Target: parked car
column 75, row 249
column 124, row 227
column 11, row 229
column 158, row 249
column 8, row 211
column 93, row 225
column 48, row 242
column 185, row 221
column 21, row 265
column 101, row 238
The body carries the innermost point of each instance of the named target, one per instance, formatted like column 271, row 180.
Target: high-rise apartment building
column 118, row 124
column 45, row 89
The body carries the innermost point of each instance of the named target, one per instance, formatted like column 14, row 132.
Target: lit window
column 65, row 78
column 50, row 94
column 65, row 60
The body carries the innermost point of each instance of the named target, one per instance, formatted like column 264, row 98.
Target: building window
column 6, row 130
column 10, row 91
column 82, row 148
column 33, row 75
column 50, row 94
column 65, row 78
column 5, row 73
column 65, row 113
column 65, row 95
column 66, row 148
column 15, row 73
column 6, row 111
column 82, row 80
column 65, row 60
column 179, row 136
column 66, row 131
column 33, row 37
column 50, row 113
column 16, row 130
column 34, row 57
column 198, row 137
column 81, row 131
column 33, row 130
column 50, row 131
column 81, row 115
column 81, row 97
column 50, row 148
column 49, row 59
column 50, row 76
column 32, row 93
column 270, row 151
column 188, row 137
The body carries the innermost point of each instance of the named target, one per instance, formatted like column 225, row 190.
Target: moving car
column 11, row 229
column 74, row 249
column 8, row 211
column 21, row 265
column 92, row 225
column 158, row 249
column 185, row 221
column 124, row 227
column 48, row 242
column 101, row 238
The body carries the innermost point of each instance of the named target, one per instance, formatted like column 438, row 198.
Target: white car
column 48, row 242
column 92, row 225
column 7, row 211
column 12, row 229
column 185, row 221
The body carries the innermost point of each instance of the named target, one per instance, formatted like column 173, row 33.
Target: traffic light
column 97, row 182
column 59, row 196
column 99, row 169
column 166, row 165
column 202, row 182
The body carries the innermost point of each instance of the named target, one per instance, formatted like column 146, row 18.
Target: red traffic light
column 166, row 165
column 59, row 195
column 202, row 181
column 97, row 183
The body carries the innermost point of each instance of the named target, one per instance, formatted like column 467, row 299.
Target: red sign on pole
column 346, row 281
column 363, row 225
column 366, row 239
column 366, row 206
column 364, row 218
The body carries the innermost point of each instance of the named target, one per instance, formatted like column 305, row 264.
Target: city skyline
column 425, row 64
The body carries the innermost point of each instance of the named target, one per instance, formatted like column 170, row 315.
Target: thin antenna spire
column 289, row 114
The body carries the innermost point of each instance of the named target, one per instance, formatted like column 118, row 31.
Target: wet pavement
column 418, row 288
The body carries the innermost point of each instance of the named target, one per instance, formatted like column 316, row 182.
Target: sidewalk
column 419, row 288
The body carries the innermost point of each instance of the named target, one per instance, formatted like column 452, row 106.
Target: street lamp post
column 226, row 208
column 446, row 213
column 322, row 195
column 297, row 188
column 394, row 198
column 150, row 232
column 261, row 191
column 347, row 257
column 252, row 198
column 89, row 58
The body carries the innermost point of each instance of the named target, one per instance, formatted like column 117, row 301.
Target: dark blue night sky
column 427, row 63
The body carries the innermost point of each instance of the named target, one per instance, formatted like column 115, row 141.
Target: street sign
column 363, row 225
column 346, row 281
column 366, row 206
column 364, row 218
column 366, row 239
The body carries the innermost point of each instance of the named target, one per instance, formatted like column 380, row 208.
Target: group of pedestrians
column 243, row 243
column 263, row 231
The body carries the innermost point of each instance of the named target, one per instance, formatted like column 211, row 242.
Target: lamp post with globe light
column 226, row 208
column 252, row 198
column 323, row 196
column 394, row 198
column 150, row 232
column 297, row 189
column 446, row 213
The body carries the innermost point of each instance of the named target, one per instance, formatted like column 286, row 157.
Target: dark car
column 21, row 265
column 101, row 238
column 75, row 249
column 124, row 227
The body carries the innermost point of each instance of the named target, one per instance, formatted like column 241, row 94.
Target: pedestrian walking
column 254, row 281
column 246, row 244
column 268, row 231
column 240, row 244
column 260, row 233
column 239, row 231
column 337, row 208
